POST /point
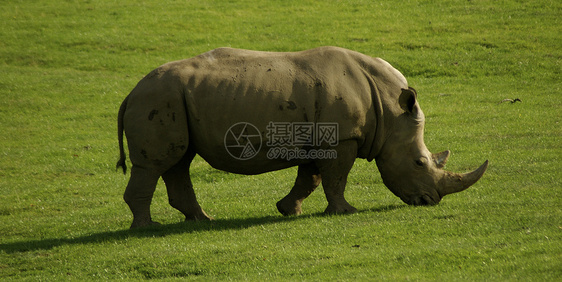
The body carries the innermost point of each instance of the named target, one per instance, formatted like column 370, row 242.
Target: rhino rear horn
column 456, row 182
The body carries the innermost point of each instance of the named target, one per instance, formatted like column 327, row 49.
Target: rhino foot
column 198, row 216
column 286, row 207
column 339, row 209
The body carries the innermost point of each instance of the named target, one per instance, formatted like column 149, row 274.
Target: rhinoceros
column 239, row 109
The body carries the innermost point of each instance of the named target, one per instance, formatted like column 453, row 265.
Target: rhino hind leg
column 138, row 195
column 308, row 178
column 180, row 189
column 334, row 177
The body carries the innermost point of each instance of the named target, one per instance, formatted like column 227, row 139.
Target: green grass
column 65, row 66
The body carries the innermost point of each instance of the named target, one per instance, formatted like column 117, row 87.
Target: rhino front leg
column 180, row 190
column 138, row 195
column 334, row 177
column 308, row 178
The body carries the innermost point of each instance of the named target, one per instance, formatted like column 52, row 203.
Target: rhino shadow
column 185, row 227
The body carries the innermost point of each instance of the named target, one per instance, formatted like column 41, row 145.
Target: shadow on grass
column 165, row 230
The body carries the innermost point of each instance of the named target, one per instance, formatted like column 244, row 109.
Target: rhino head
column 407, row 167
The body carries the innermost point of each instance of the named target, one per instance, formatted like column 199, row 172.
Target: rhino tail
column 122, row 157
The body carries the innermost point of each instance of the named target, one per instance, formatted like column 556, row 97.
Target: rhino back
column 226, row 86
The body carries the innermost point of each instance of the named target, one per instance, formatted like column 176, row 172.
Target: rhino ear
column 440, row 159
column 407, row 100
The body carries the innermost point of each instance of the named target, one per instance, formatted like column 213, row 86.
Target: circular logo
column 242, row 141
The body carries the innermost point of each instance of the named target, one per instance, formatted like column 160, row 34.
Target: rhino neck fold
column 378, row 138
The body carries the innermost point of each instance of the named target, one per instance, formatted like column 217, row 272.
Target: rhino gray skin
column 186, row 107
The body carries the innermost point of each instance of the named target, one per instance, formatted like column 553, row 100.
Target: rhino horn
column 456, row 182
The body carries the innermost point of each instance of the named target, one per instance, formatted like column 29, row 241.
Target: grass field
column 65, row 67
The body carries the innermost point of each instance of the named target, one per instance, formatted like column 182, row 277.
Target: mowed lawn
column 65, row 67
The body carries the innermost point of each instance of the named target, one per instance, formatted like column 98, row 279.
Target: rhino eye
column 419, row 163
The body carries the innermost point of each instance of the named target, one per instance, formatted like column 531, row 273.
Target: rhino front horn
column 456, row 182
